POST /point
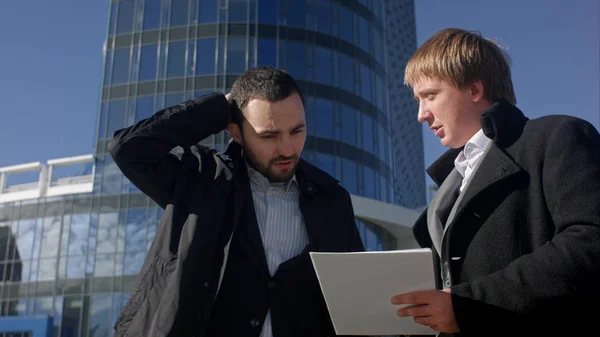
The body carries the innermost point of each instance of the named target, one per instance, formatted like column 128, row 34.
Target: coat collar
column 502, row 122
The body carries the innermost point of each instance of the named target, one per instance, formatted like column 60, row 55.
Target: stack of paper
column 358, row 288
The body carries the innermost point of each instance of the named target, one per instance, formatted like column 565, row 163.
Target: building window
column 323, row 16
column 324, row 120
column 152, row 14
column 205, row 57
column 144, row 108
column 207, row 11
column 148, row 61
column 120, row 74
column 238, row 10
column 296, row 14
column 367, row 134
column 346, row 24
column 346, row 72
column 267, row 11
column 267, row 52
column 179, row 12
column 236, row 55
column 295, row 61
column 350, row 179
column 326, row 163
column 324, row 65
column 176, row 61
column 349, row 125
column 125, row 17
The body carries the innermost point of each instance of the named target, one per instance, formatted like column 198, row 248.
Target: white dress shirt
column 468, row 159
column 282, row 228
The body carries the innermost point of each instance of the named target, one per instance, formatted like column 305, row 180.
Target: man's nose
column 286, row 148
column 423, row 114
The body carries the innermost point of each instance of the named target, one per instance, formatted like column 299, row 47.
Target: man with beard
column 230, row 255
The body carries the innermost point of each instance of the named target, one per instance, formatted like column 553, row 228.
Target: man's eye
column 268, row 136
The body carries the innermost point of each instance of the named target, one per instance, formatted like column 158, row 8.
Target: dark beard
column 251, row 160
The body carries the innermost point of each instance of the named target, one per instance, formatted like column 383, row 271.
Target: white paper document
column 358, row 288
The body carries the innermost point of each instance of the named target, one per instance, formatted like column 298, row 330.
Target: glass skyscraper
column 75, row 256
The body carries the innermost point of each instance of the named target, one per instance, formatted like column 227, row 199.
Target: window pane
column 296, row 14
column 350, row 177
column 148, row 63
column 364, row 34
column 116, row 116
column 346, row 72
column 346, row 24
column 205, row 57
column 113, row 17
column 365, row 81
column 176, row 62
column 121, row 66
column 267, row 52
column 349, row 125
column 179, row 12
column 382, row 136
column 323, row 16
column 152, row 12
column 144, row 108
column 125, row 17
column 25, row 237
column 267, row 11
column 50, row 236
column 173, row 99
column 369, row 182
column 78, row 235
column 367, row 133
column 324, row 114
column 296, row 59
column 238, row 10
column 326, row 163
column 207, row 11
column 107, row 232
column 324, row 65
column 100, row 315
column 236, row 55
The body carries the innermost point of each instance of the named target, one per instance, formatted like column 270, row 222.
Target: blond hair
column 461, row 57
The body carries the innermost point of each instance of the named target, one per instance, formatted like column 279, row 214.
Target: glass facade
column 76, row 257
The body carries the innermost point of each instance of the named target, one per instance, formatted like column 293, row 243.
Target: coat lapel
column 243, row 208
column 438, row 210
column 495, row 167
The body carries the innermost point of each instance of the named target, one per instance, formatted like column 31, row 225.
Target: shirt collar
column 475, row 146
column 262, row 182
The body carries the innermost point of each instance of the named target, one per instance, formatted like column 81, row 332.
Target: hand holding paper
column 432, row 308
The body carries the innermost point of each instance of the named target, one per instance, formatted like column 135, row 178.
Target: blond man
column 515, row 224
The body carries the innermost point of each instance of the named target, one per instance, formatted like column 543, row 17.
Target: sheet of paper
column 358, row 288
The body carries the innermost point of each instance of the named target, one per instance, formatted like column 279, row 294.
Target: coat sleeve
column 143, row 151
column 565, row 269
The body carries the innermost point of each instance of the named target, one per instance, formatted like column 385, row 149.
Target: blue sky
column 51, row 62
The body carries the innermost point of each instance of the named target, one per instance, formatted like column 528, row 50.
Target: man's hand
column 431, row 308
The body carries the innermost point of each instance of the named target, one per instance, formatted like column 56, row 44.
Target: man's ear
column 477, row 91
column 235, row 132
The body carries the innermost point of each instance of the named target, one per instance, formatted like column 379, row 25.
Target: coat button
column 254, row 323
column 205, row 284
column 447, row 283
column 271, row 284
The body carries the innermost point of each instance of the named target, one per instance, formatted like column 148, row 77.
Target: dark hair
column 261, row 82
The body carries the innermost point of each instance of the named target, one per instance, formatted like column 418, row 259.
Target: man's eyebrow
column 299, row 126
column 269, row 132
